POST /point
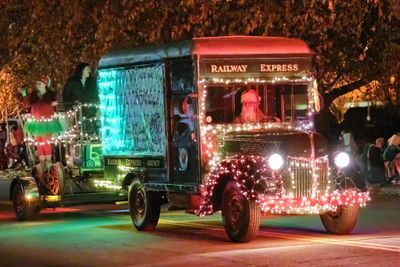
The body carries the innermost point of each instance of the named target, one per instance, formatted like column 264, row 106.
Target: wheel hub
column 19, row 202
column 139, row 204
column 235, row 208
column 53, row 180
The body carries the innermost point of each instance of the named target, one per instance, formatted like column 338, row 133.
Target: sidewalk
column 387, row 191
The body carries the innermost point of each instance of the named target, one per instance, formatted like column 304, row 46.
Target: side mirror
column 186, row 104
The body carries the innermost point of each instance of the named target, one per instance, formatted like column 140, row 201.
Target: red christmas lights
column 258, row 182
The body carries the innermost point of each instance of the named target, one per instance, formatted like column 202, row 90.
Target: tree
column 351, row 39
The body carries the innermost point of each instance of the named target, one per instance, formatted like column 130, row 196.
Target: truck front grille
column 307, row 178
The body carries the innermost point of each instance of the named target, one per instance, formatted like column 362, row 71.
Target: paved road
column 103, row 236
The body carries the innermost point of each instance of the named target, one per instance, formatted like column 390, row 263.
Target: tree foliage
column 351, row 39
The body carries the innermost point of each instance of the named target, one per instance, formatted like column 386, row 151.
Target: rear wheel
column 37, row 171
column 55, row 178
column 241, row 217
column 144, row 207
column 342, row 221
column 22, row 208
column 50, row 182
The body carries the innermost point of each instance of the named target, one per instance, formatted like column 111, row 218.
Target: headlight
column 342, row 160
column 275, row 161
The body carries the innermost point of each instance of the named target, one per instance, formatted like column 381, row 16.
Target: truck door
column 184, row 124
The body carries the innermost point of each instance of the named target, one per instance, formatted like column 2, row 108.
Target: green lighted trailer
column 222, row 123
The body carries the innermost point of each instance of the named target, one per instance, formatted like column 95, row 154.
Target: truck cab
column 222, row 124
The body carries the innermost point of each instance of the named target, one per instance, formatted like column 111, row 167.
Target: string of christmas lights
column 256, row 80
column 71, row 120
column 252, row 174
column 258, row 182
column 316, row 204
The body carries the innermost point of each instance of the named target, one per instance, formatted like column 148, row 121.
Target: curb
column 385, row 192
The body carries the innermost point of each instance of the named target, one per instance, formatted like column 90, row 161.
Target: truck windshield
column 254, row 103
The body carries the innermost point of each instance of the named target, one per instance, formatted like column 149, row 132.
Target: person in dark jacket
column 80, row 87
column 375, row 167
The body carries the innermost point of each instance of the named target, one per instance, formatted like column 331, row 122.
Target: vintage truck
column 222, row 124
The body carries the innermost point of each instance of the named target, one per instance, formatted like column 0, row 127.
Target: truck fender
column 130, row 177
column 29, row 187
column 251, row 174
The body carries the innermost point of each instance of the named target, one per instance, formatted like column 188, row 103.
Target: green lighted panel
column 132, row 111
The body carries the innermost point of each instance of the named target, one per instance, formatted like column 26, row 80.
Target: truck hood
column 286, row 142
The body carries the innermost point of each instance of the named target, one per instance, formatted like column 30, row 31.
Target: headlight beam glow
column 342, row 160
column 275, row 161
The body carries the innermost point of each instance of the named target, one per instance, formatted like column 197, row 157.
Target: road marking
column 315, row 239
column 334, row 241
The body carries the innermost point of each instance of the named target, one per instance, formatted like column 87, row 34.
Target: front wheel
column 22, row 208
column 342, row 221
column 241, row 217
column 144, row 207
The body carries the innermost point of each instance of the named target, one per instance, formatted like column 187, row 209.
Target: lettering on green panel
column 153, row 163
column 113, row 162
column 133, row 162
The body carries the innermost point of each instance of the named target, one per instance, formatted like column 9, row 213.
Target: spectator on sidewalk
column 391, row 156
column 396, row 163
column 375, row 168
column 394, row 140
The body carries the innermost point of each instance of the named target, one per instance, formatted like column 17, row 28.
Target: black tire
column 342, row 221
column 144, row 207
column 38, row 173
column 241, row 217
column 22, row 208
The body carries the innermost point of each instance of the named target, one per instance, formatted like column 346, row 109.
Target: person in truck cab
column 251, row 111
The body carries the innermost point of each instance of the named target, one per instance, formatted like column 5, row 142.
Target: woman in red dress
column 43, row 123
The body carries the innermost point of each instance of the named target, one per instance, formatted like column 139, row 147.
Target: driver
column 251, row 112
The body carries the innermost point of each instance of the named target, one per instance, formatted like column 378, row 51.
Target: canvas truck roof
column 208, row 46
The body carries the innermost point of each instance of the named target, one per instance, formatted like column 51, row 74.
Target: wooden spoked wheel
column 55, row 178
